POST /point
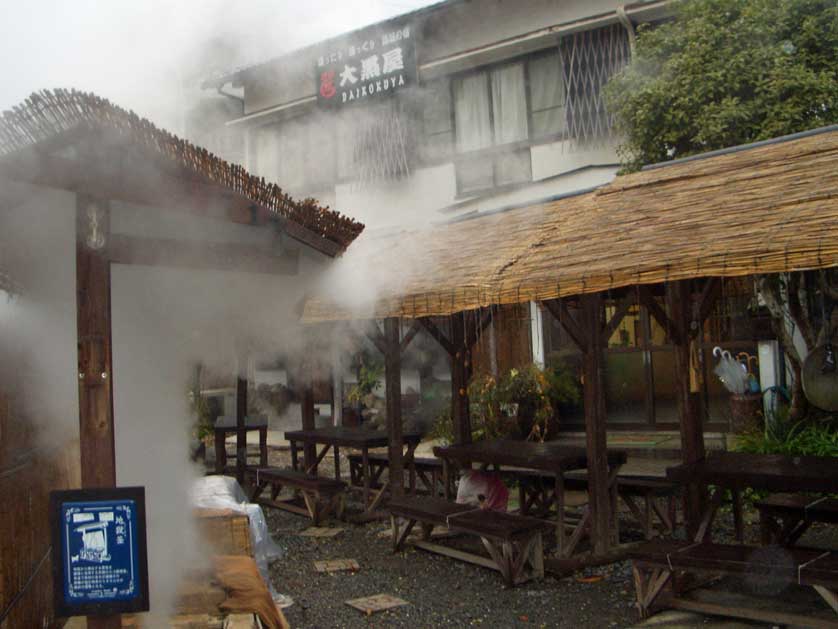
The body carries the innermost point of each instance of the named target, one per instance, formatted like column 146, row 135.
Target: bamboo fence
column 766, row 209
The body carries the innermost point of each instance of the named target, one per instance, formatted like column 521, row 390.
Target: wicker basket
column 224, row 531
column 745, row 412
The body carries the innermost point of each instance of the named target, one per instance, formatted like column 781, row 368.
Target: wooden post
column 393, row 385
column 459, row 381
column 93, row 322
column 692, row 431
column 595, row 441
column 307, row 410
column 241, row 432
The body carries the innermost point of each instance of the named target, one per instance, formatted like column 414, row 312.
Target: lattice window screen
column 382, row 143
column 590, row 59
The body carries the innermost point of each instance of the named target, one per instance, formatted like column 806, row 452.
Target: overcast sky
column 136, row 53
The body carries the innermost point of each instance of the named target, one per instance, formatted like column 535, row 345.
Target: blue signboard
column 101, row 566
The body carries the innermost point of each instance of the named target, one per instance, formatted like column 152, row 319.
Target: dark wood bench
column 321, row 496
column 783, row 518
column 658, row 563
column 513, row 542
column 426, row 470
column 536, row 496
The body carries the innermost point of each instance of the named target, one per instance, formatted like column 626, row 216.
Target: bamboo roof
column 765, row 208
column 50, row 115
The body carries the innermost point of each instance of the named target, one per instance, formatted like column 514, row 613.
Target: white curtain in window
column 509, row 104
column 471, row 112
column 547, row 95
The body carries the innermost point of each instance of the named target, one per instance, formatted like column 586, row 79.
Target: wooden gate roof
column 764, row 208
column 151, row 165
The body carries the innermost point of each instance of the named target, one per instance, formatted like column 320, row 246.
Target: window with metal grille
column 498, row 112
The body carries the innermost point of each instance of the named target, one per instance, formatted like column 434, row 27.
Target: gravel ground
column 442, row 592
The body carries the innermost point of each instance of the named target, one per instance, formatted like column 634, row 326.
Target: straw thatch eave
column 767, row 209
column 30, row 135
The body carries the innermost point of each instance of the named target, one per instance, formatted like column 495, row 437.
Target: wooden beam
column 121, row 172
column 692, row 430
column 95, row 359
column 558, row 308
column 460, row 412
column 599, row 499
column 124, row 249
column 438, row 335
column 377, row 338
column 393, row 393
column 618, row 316
column 673, row 332
column 241, row 433
column 414, row 329
column 709, row 296
column 480, row 326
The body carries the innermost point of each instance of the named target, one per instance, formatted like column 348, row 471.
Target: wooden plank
column 742, row 609
column 393, row 393
column 169, row 252
column 93, row 321
column 599, row 500
column 376, row 603
column 439, row 549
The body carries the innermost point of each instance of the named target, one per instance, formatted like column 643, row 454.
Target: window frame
column 458, row 157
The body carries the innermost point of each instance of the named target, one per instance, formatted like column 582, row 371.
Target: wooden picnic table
column 736, row 471
column 548, row 457
column 363, row 439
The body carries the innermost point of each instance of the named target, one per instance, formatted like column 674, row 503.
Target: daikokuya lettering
column 366, row 67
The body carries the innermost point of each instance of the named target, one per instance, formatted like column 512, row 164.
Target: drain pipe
column 625, row 20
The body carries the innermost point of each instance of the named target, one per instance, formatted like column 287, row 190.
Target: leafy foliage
column 791, row 438
column 724, row 73
column 526, row 390
column 369, row 379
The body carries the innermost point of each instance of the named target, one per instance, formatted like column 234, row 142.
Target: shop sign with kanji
column 374, row 63
column 99, row 546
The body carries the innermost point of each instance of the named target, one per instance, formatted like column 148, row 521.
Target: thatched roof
column 48, row 116
column 767, row 208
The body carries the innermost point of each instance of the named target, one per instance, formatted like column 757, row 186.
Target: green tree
column 727, row 72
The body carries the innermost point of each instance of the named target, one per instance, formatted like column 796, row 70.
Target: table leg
column 295, row 464
column 365, row 464
column 336, row 452
column 613, row 489
column 560, row 533
column 446, row 479
column 220, row 452
column 703, row 533
column 738, row 524
column 263, row 447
